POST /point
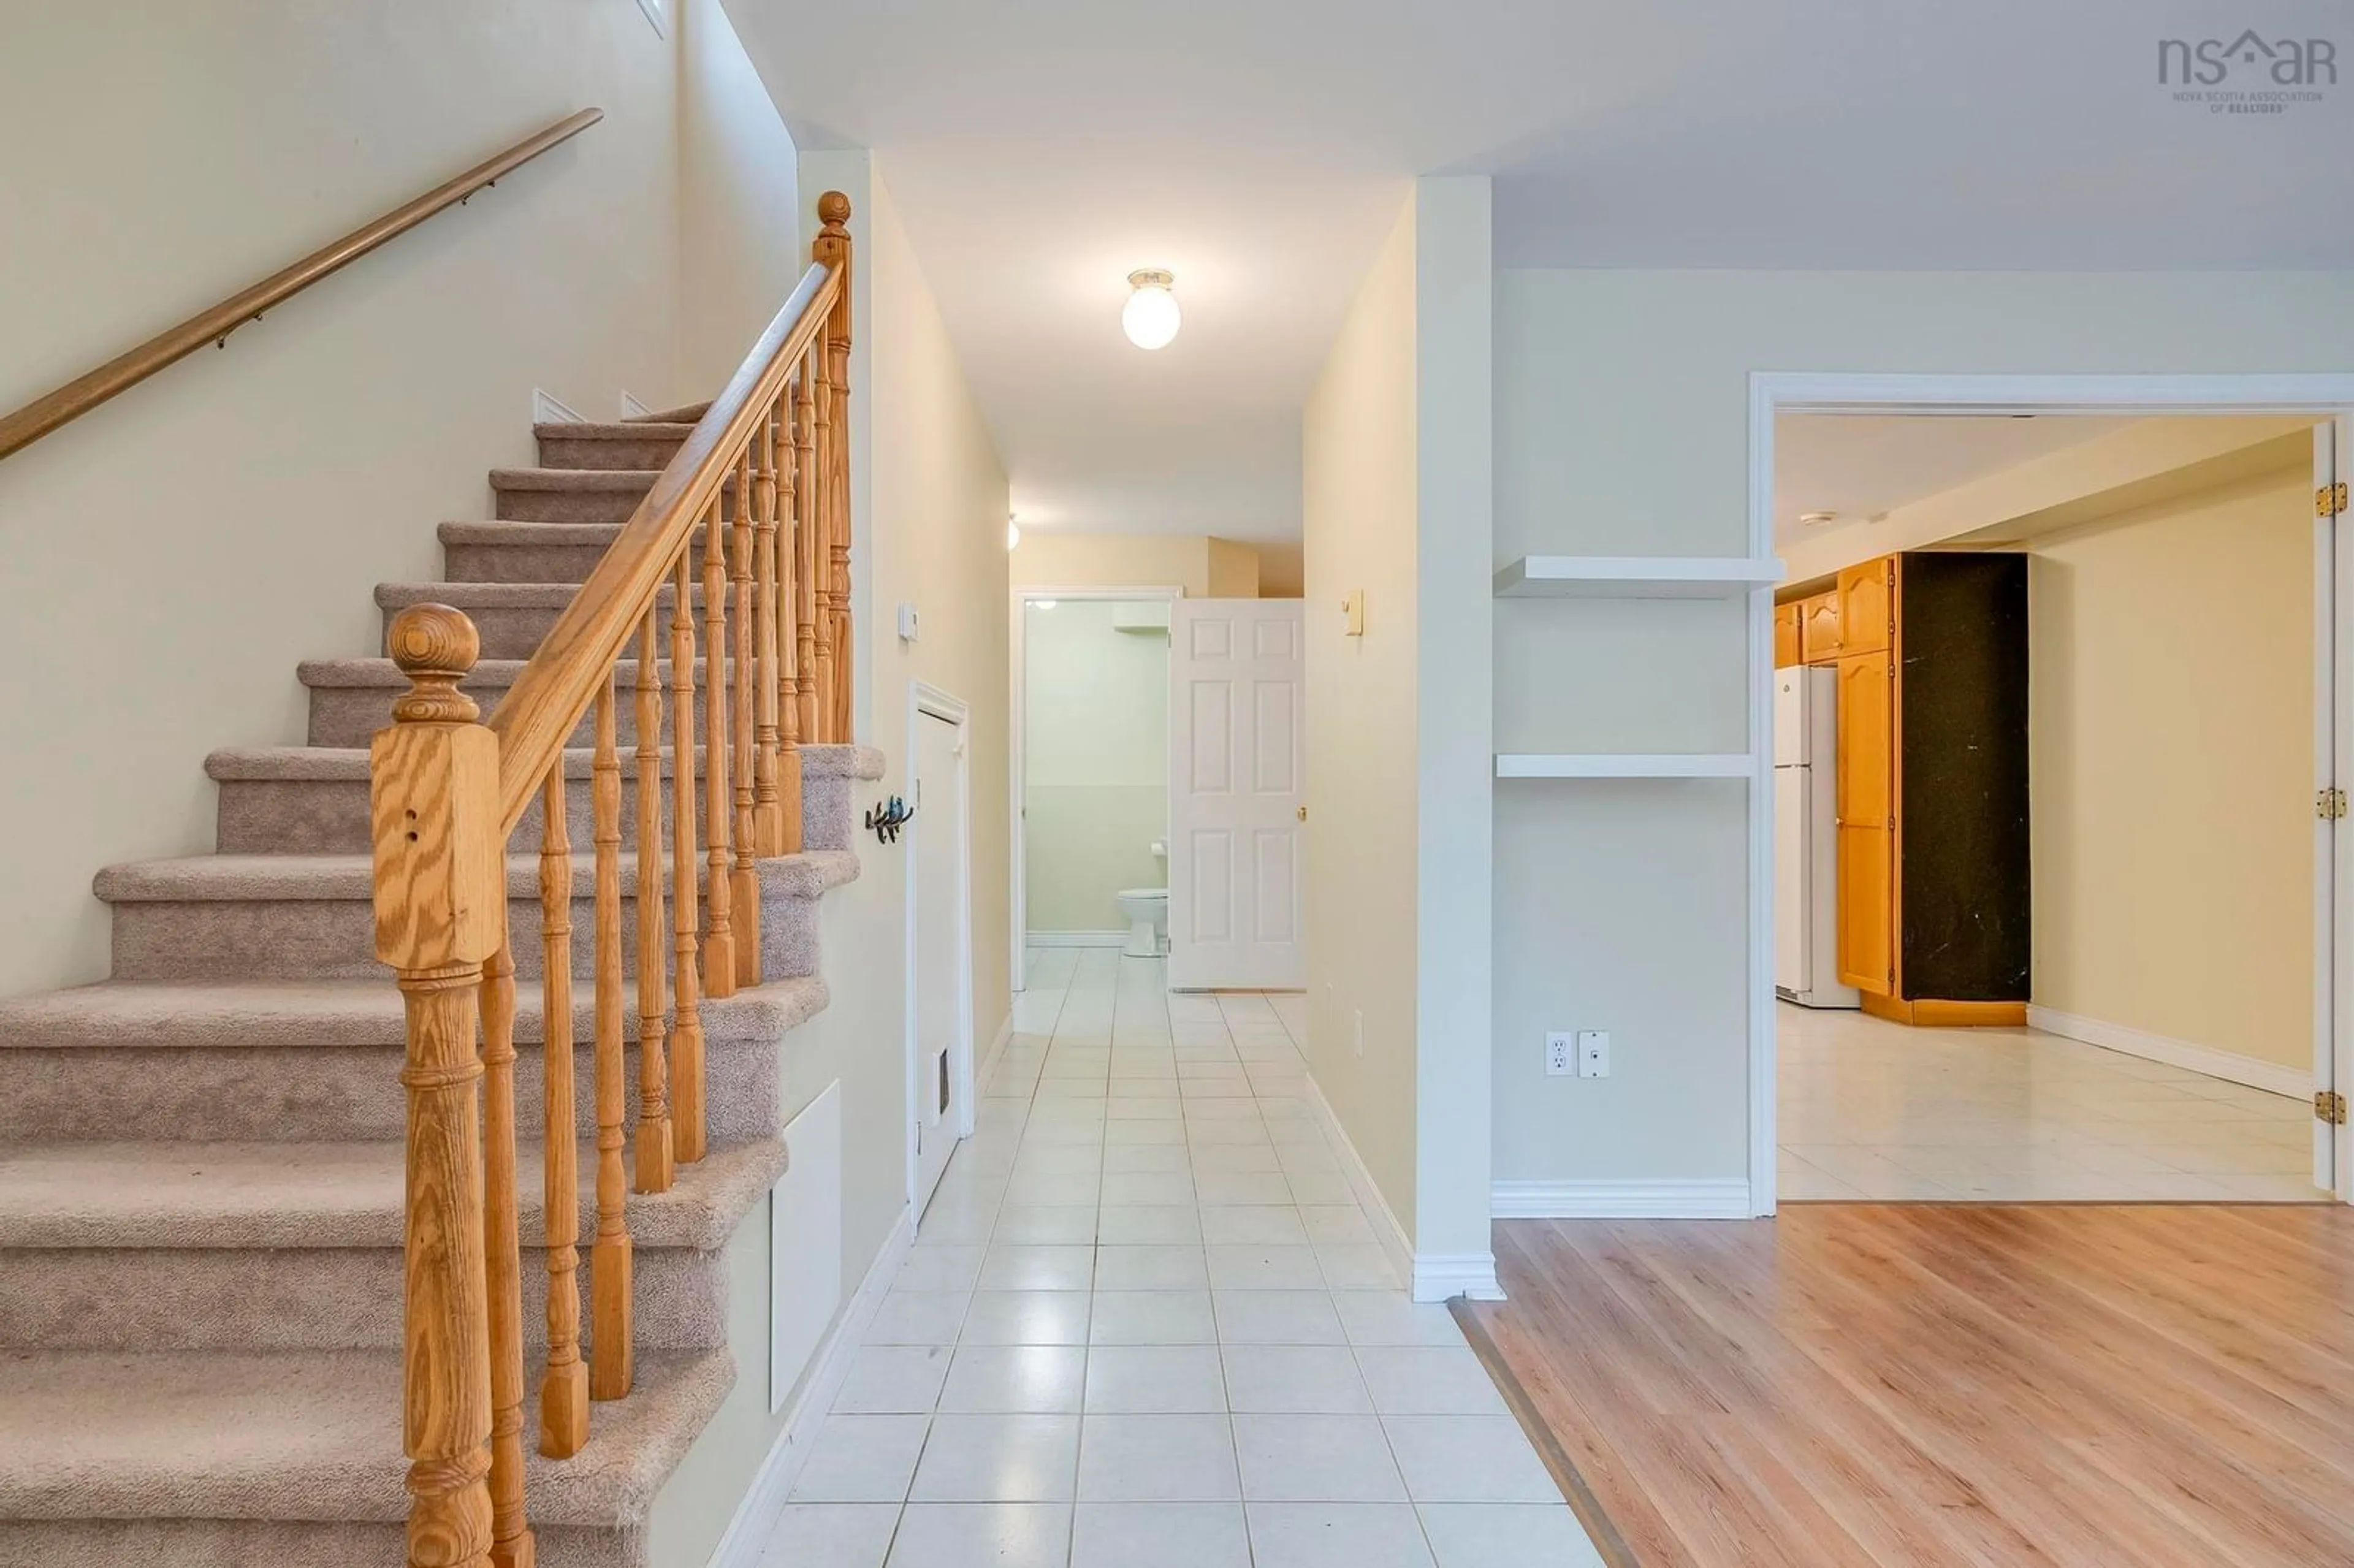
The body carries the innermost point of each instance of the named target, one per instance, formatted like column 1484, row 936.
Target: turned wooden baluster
column 767, row 806
column 719, row 940
column 564, row 1388
column 808, row 623
column 610, row 1354
column 687, row 949
column 440, row 891
column 653, row 1151
column 833, row 248
column 511, row 1539
column 781, row 680
column 755, row 609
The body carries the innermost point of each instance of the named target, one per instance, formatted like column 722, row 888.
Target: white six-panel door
column 1237, row 753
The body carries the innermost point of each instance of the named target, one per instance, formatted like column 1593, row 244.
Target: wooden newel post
column 833, row 249
column 439, row 914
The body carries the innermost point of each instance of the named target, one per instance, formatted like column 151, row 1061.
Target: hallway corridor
column 1145, row 1324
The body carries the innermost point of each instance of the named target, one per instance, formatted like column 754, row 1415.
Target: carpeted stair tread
column 330, row 1013
column 349, row 763
column 575, row 480
column 638, row 428
column 214, row 878
column 216, row 1195
column 300, row 1434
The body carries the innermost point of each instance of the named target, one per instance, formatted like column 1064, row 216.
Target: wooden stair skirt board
column 1929, row 1012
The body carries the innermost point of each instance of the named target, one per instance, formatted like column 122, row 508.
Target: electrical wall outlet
column 1592, row 1053
column 1557, row 1053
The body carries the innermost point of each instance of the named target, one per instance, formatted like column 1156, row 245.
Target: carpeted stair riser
column 329, row 1093
column 351, row 699
column 521, row 553
column 182, row 1459
column 324, row 809
column 310, row 1298
column 513, row 619
column 634, row 444
column 330, row 816
column 286, row 936
column 576, row 495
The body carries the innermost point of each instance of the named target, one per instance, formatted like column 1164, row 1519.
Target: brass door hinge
column 2330, row 1106
column 2329, row 500
column 2329, row 804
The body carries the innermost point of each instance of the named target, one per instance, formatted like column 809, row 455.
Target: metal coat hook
column 885, row 820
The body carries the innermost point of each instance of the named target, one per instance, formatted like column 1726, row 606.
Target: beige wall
column 1357, row 452
column 1204, row 564
column 739, row 197
column 1622, row 426
column 928, row 519
column 179, row 550
column 1095, row 768
column 2171, row 686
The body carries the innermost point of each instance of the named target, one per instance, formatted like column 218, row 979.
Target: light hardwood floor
column 2120, row 1386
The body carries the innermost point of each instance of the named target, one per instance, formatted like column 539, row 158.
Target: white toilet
column 1147, row 912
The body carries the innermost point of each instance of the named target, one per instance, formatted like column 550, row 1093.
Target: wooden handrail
column 118, row 375
column 554, row 689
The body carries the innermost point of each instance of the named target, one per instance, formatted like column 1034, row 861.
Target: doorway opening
column 1090, row 770
column 2055, row 900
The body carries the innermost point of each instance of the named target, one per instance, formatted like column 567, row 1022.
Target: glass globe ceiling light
column 1150, row 317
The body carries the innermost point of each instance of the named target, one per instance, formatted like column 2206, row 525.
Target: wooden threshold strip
column 1613, row 1547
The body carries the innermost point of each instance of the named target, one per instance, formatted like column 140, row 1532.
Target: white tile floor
column 1876, row 1111
column 1145, row 1326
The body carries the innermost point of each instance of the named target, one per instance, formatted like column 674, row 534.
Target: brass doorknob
column 1303, row 813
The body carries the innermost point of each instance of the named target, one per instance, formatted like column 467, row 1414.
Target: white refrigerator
column 1806, row 840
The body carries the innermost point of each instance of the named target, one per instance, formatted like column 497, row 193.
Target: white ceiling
column 1041, row 149
column 1863, row 465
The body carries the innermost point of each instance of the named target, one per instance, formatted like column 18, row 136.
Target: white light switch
column 1592, row 1053
column 907, row 623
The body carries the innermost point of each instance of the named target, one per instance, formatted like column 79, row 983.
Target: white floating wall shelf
column 1623, row 765
column 1637, row 577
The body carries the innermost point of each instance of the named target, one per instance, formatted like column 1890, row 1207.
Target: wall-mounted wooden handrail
column 554, row 689
column 118, row 375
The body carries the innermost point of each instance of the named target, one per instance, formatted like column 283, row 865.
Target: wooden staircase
column 246, row 1211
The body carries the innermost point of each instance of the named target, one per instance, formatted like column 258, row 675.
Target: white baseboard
column 1441, row 1275
column 764, row 1503
column 1430, row 1277
column 1075, row 938
column 1722, row 1198
column 2230, row 1066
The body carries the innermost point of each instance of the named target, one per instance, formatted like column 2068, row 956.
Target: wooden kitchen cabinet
column 1786, row 635
column 1865, row 815
column 1818, row 627
column 1867, row 606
